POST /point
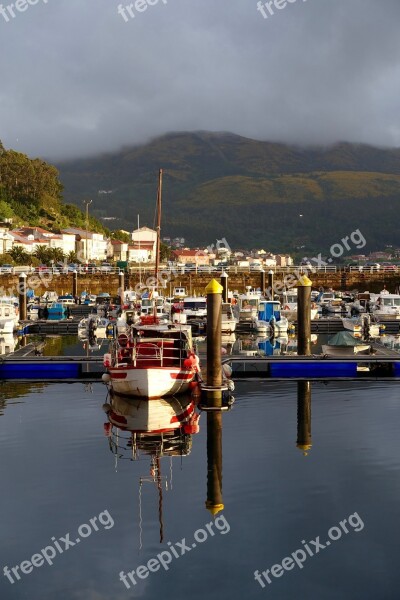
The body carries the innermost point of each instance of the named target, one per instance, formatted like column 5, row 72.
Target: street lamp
column 87, row 202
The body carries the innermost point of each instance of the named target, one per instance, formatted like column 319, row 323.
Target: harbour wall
column 195, row 283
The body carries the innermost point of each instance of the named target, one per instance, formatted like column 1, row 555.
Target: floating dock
column 68, row 369
column 314, row 368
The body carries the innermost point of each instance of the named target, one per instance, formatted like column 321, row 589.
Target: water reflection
column 214, row 501
column 157, row 428
column 304, row 416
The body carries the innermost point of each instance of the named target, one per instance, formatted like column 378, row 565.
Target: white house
column 6, row 241
column 30, row 238
column 90, row 245
column 144, row 245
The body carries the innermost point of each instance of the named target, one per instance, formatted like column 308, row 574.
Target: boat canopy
column 344, row 339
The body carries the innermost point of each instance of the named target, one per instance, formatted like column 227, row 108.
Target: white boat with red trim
column 152, row 360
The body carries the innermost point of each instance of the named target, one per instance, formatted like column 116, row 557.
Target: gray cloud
column 77, row 79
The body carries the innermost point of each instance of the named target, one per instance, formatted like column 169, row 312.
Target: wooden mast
column 158, row 230
column 158, row 227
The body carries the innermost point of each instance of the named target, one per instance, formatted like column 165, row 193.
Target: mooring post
column 214, row 337
column 224, row 283
column 271, row 284
column 214, row 463
column 121, row 286
column 304, row 316
column 75, row 283
column 262, row 282
column 22, row 297
column 304, row 416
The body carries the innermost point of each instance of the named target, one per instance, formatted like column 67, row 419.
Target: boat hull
column 7, row 325
column 346, row 350
column 151, row 382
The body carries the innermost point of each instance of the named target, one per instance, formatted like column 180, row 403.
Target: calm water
column 58, row 472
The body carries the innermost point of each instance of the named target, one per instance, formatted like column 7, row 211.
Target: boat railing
column 143, row 352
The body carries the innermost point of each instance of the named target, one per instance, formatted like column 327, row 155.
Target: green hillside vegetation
column 250, row 192
column 31, row 194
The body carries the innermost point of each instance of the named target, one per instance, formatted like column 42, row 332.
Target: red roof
column 187, row 252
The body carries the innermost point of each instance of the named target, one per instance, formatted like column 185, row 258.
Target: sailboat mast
column 158, row 227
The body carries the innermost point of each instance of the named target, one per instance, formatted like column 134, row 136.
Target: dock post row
column 22, row 297
column 304, row 316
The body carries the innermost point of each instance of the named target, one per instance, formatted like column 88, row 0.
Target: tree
column 72, row 257
column 121, row 236
column 165, row 252
column 56, row 254
column 19, row 255
column 42, row 253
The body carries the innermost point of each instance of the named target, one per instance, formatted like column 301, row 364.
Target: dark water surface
column 57, row 472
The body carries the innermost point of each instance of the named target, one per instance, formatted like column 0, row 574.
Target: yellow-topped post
column 304, row 316
column 214, row 363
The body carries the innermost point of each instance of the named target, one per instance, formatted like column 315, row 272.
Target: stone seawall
column 195, row 284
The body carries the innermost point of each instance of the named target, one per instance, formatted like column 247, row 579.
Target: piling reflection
column 304, row 416
column 214, row 502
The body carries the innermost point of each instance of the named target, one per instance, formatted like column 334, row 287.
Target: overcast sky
column 77, row 78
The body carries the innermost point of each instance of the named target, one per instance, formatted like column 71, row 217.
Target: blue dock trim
column 313, row 367
column 50, row 368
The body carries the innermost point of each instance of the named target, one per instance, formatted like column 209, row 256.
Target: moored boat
column 8, row 315
column 387, row 306
column 345, row 344
column 152, row 361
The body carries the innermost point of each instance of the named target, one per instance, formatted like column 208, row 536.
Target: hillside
column 250, row 192
column 31, row 194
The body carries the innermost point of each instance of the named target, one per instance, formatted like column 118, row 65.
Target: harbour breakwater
column 196, row 283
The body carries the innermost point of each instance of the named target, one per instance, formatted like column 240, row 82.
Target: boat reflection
column 156, row 428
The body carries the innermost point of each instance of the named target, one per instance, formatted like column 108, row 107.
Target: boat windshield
column 391, row 301
column 195, row 305
column 249, row 302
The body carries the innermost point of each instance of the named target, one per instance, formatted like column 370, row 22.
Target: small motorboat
column 91, row 324
column 345, row 344
column 361, row 324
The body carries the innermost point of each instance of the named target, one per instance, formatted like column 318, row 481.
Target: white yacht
column 248, row 305
column 7, row 343
column 289, row 306
column 8, row 315
column 195, row 308
column 387, row 307
column 228, row 324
